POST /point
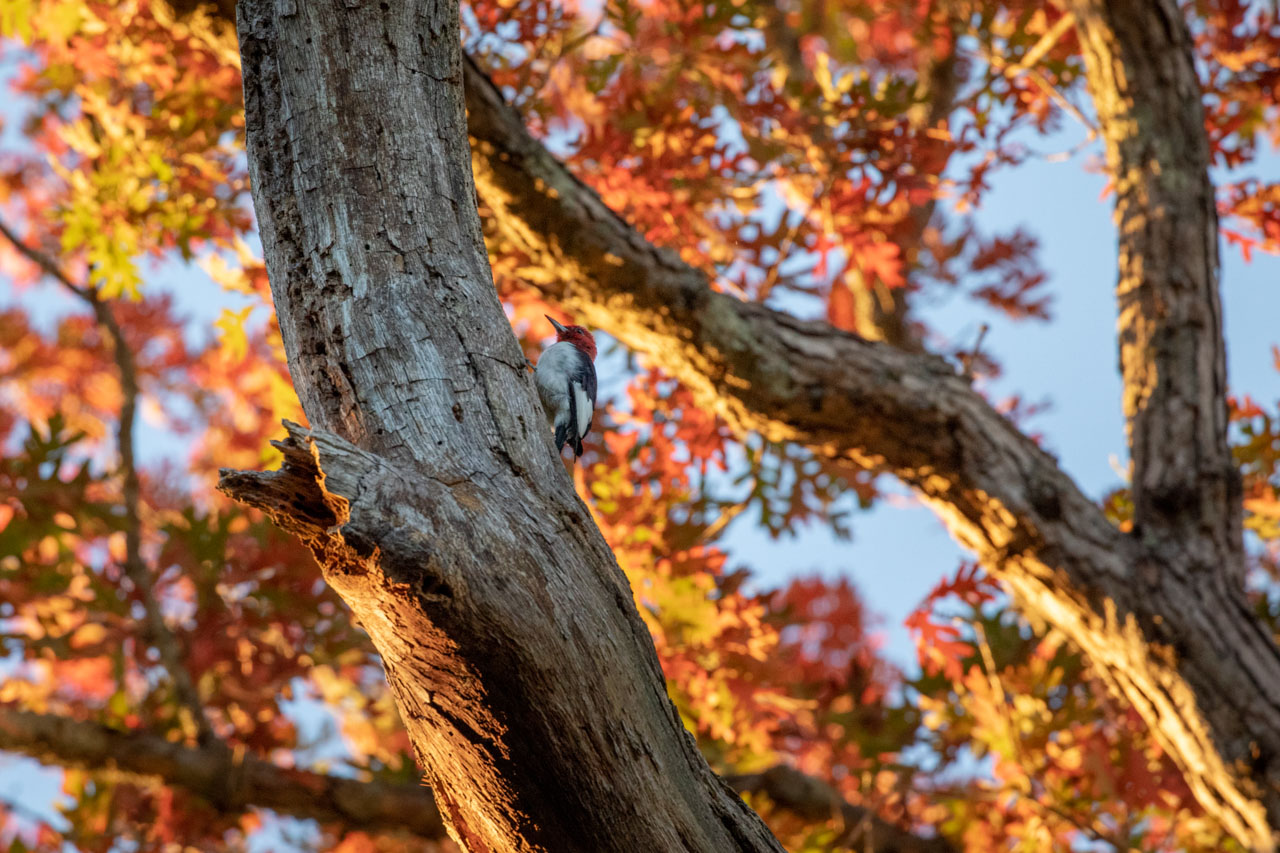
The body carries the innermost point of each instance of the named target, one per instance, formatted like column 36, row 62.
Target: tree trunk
column 430, row 490
column 1186, row 488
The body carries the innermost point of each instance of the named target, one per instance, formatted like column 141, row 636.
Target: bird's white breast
column 555, row 365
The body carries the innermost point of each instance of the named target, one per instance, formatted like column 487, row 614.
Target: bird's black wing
column 589, row 385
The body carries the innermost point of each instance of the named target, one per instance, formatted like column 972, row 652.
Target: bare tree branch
column 156, row 631
column 215, row 773
column 815, row 800
column 1186, row 486
column 236, row 783
column 885, row 312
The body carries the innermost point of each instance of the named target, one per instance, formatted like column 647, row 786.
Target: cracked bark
column 527, row 681
column 492, row 634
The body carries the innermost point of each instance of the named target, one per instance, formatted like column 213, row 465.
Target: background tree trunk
column 527, row 681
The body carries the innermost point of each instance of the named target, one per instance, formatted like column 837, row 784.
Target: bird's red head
column 577, row 336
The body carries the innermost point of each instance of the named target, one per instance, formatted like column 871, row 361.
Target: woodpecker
column 566, row 379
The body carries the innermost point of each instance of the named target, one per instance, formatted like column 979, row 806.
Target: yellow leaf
column 221, row 272
column 62, row 20
column 822, row 74
column 231, row 332
column 88, row 634
column 15, row 19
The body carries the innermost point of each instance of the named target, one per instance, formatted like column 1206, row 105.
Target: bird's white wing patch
column 582, row 403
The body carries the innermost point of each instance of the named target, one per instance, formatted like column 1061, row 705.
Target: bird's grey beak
column 559, row 328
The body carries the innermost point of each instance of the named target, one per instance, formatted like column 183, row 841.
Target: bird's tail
column 565, row 436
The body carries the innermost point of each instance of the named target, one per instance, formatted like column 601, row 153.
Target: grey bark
column 527, row 681
column 1175, row 636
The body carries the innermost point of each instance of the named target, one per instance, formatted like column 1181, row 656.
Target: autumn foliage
column 824, row 158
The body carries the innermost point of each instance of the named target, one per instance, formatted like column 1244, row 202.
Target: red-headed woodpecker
column 566, row 379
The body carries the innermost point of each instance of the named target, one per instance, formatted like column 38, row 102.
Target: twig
column 970, row 358
column 230, row 782
column 1046, row 42
column 135, row 568
column 788, row 242
column 1061, row 100
column 1027, row 66
column 726, row 517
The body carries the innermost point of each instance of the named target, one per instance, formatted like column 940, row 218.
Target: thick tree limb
column 1141, row 71
column 1181, row 645
column 213, row 772
column 1186, row 487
